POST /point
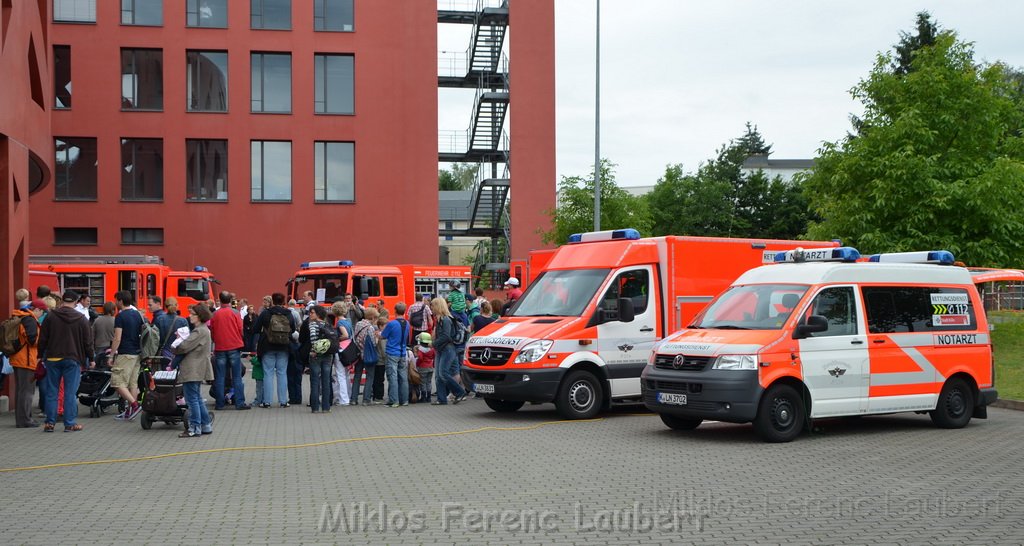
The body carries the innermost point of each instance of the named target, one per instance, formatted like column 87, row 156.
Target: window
column 74, row 236
column 333, row 15
column 62, row 76
column 197, row 289
column 206, row 81
column 74, row 11
column 206, row 170
column 390, row 286
column 75, row 177
column 751, row 307
column 142, row 169
column 366, row 286
column 898, row 309
column 271, row 14
column 448, row 224
column 271, row 170
column 335, row 83
column 142, row 12
column 837, row 306
column 334, row 176
column 271, row 82
column 630, row 284
column 206, row 13
column 84, row 283
column 142, row 79
column 142, row 236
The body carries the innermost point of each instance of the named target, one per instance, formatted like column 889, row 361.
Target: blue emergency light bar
column 329, row 263
column 610, row 235
column 941, row 257
column 199, row 269
column 797, row 255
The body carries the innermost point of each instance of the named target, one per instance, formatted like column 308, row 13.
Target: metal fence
column 1002, row 296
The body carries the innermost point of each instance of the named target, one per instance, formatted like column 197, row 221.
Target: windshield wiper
column 695, row 327
column 730, row 327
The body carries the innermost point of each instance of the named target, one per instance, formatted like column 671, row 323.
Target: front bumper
column 529, row 385
column 719, row 395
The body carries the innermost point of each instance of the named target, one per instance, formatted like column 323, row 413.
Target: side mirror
column 626, row 311
column 815, row 323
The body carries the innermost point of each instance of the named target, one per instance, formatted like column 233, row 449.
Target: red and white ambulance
column 582, row 332
column 828, row 334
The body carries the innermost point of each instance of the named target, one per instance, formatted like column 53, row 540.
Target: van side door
column 835, row 362
column 625, row 346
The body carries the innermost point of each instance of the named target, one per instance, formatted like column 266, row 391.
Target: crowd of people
column 353, row 352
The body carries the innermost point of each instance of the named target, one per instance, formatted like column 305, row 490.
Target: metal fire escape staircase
column 484, row 68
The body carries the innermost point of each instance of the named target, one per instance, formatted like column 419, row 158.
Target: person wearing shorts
column 125, row 350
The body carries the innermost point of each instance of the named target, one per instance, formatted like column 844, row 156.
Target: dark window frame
column 70, row 232
column 320, row 84
column 263, row 185
column 322, row 163
column 320, row 17
column 134, row 171
column 192, row 19
column 128, row 8
column 134, row 51
column 64, row 172
column 192, row 73
column 193, row 175
column 261, row 85
column 86, row 4
column 257, row 9
column 130, row 236
column 886, row 314
column 58, row 92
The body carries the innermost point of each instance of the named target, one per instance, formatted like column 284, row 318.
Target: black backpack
column 460, row 334
column 279, row 329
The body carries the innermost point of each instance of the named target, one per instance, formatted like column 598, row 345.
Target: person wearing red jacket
column 226, row 329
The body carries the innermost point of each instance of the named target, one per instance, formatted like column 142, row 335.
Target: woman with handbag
column 194, row 370
column 365, row 337
column 340, row 381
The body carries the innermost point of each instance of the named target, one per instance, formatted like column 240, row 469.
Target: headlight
column 534, row 351
column 735, row 362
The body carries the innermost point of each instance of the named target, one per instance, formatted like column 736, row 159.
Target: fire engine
column 328, row 280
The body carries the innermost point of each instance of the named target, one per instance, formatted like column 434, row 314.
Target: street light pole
column 597, row 124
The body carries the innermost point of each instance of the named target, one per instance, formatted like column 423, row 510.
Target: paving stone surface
column 465, row 475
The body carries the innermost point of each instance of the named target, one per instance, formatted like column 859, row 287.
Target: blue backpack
column 370, row 355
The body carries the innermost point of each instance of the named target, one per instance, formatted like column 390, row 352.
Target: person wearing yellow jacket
column 24, row 362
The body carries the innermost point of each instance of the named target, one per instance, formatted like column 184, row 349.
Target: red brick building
column 251, row 136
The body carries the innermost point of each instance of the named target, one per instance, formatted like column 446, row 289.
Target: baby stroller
column 95, row 391
column 163, row 397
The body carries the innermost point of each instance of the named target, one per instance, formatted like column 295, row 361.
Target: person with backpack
column 276, row 325
column 448, row 332
column 456, row 302
column 420, row 318
column 365, row 338
column 65, row 346
column 396, row 332
column 323, row 346
column 126, row 350
column 21, row 346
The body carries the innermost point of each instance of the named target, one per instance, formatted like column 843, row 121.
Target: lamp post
column 597, row 123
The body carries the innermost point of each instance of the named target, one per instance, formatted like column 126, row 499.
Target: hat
column 39, row 304
column 456, row 283
column 424, row 338
column 70, row 296
column 512, row 281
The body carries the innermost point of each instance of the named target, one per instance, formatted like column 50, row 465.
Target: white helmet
column 321, row 346
column 512, row 281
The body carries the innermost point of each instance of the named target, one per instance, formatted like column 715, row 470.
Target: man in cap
column 512, row 294
column 65, row 345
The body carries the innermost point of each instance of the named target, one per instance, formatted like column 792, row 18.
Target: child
column 257, row 374
column 424, row 365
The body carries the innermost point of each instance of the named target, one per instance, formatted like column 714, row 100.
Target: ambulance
column 582, row 332
column 825, row 333
column 102, row 276
column 331, row 279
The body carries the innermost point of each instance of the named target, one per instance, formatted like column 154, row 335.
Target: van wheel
column 503, row 406
column 955, row 406
column 780, row 415
column 680, row 423
column 580, row 396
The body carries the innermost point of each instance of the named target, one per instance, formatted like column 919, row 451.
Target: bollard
column 5, row 404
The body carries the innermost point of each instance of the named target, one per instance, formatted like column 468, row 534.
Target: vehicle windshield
column 751, row 307
column 334, row 285
column 195, row 288
column 560, row 293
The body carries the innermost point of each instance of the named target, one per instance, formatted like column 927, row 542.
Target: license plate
column 483, row 388
column 672, row 398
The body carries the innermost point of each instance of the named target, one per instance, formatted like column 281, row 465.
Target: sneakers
column 121, row 416
column 265, row 406
column 459, row 399
column 285, row 405
column 132, row 412
column 393, row 405
column 353, row 402
column 243, row 407
column 405, row 403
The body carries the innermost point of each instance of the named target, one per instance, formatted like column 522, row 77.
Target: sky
column 680, row 78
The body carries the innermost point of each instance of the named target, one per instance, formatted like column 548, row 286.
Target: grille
column 690, row 363
column 675, row 386
column 489, row 377
column 490, row 356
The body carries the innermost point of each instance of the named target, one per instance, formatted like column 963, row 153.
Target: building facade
column 243, row 136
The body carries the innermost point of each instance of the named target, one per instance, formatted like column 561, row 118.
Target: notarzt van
column 826, row 336
column 581, row 333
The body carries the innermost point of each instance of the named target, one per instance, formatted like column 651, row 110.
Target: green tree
column 909, row 44
column 575, row 209
column 937, row 163
column 460, row 177
column 721, row 199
